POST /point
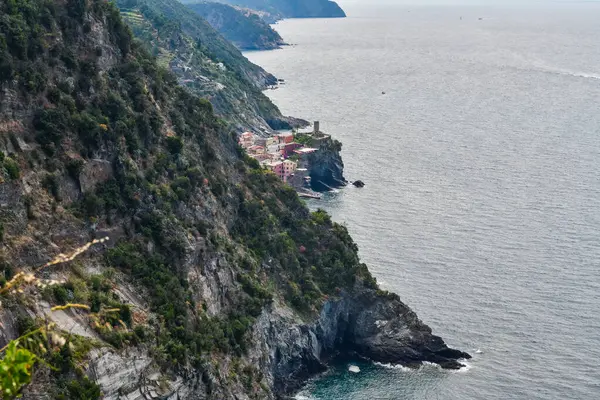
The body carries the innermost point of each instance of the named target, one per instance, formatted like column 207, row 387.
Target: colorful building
column 289, row 168
column 284, row 138
column 255, row 149
column 273, row 148
column 276, row 167
column 288, row 149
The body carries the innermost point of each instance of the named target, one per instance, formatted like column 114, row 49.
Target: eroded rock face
column 132, row 375
column 93, row 173
column 366, row 324
column 386, row 330
column 326, row 167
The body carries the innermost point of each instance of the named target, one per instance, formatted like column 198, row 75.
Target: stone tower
column 316, row 127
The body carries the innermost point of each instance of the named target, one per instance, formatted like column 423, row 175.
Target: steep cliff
column 205, row 63
column 243, row 28
column 325, row 166
column 214, row 281
column 197, row 28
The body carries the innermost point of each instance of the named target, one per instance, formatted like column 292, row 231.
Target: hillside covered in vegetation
column 142, row 253
column 244, row 28
column 278, row 9
column 205, row 63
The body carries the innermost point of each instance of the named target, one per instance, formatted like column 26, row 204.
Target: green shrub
column 252, row 162
column 50, row 183
column 174, row 144
column 80, row 389
column 53, row 95
column 51, row 125
column 74, row 168
column 25, row 324
column 28, row 201
column 141, row 333
column 12, row 168
column 89, row 131
column 60, row 294
column 92, row 205
column 182, row 187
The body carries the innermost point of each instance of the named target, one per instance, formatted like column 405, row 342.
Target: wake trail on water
column 527, row 63
column 544, row 67
column 573, row 73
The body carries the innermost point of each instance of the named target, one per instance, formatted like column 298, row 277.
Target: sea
column 476, row 129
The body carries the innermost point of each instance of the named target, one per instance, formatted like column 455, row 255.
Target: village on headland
column 298, row 158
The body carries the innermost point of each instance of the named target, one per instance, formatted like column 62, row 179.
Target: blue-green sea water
column 482, row 169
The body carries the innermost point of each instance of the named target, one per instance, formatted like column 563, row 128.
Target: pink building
column 283, row 169
column 276, row 167
column 288, row 149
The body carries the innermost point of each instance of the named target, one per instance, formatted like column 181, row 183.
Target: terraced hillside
column 274, row 10
column 205, row 62
column 243, row 27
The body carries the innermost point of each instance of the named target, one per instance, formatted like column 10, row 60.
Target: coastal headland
column 308, row 161
column 143, row 253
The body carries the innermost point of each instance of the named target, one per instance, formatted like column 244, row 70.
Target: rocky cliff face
column 325, row 166
column 362, row 323
column 243, row 28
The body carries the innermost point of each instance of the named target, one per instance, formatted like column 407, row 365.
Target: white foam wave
column 393, row 366
column 464, row 369
column 353, row 368
column 566, row 72
column 579, row 74
column 303, row 397
column 426, row 365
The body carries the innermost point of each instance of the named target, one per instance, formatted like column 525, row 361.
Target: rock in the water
column 358, row 184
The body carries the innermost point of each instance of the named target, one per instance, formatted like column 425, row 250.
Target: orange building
column 284, row 138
